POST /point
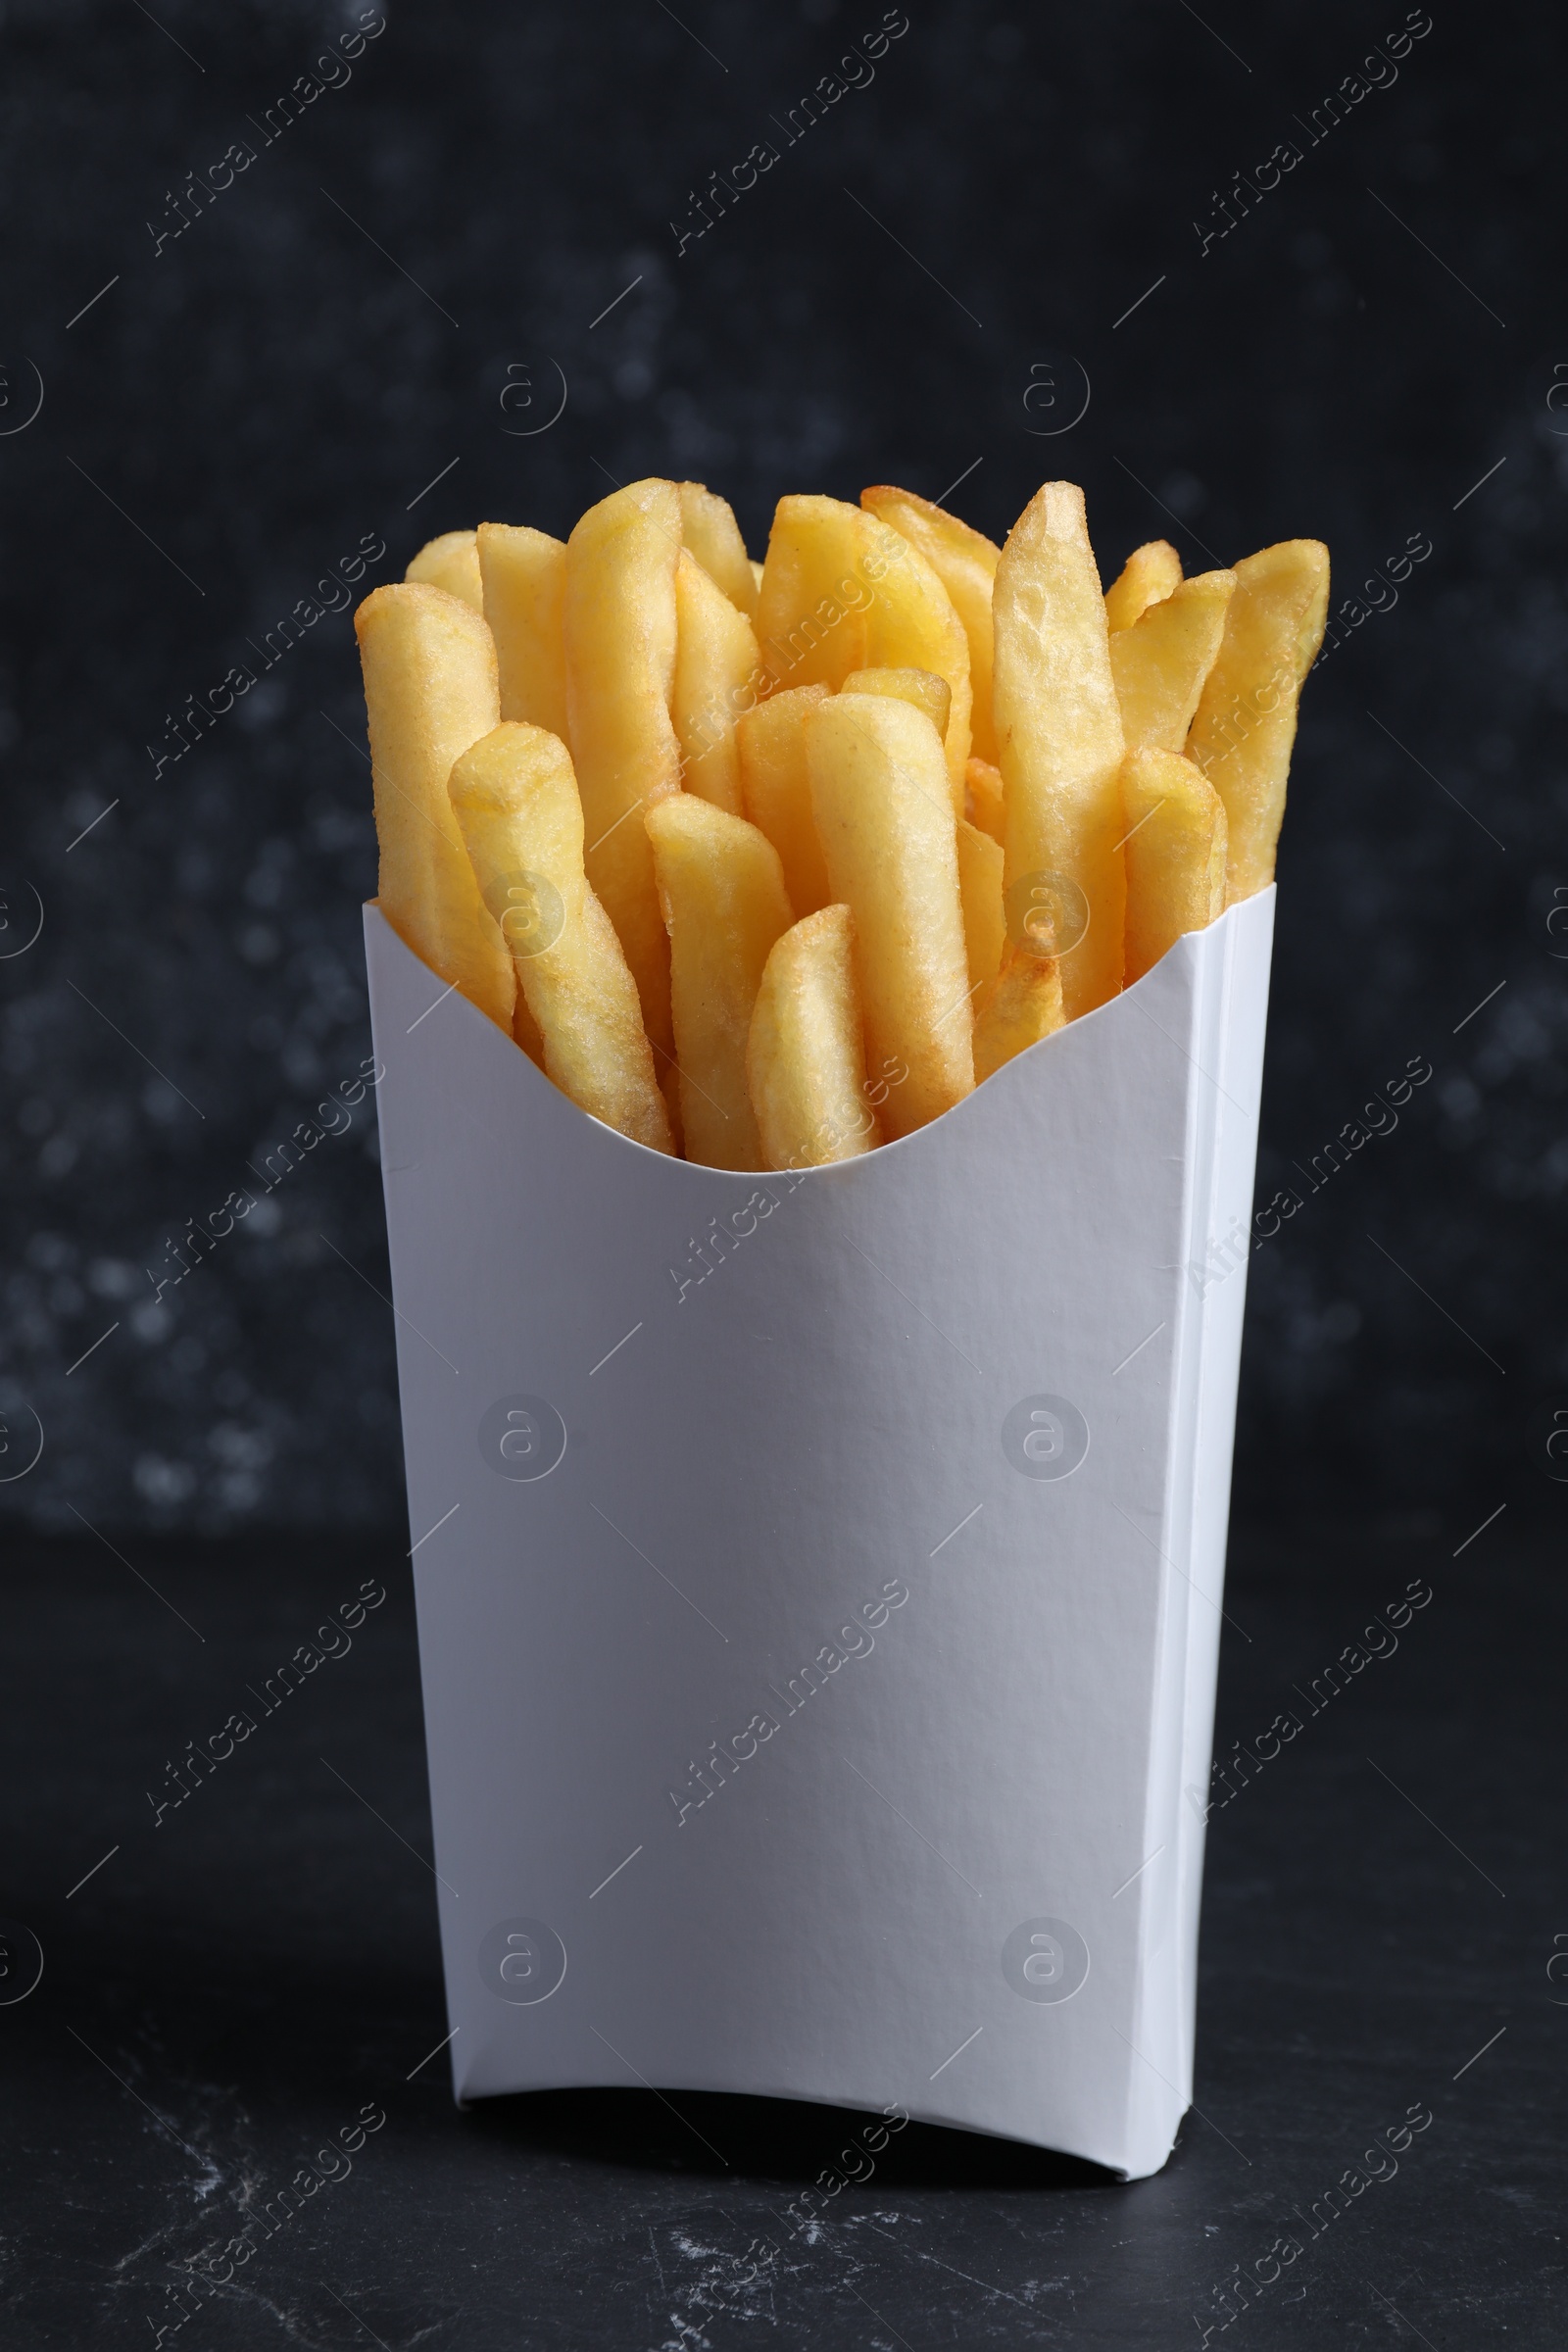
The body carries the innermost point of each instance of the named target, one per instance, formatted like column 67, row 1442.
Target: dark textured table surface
column 235, row 1986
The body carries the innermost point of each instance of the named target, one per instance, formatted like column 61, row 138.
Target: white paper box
column 959, row 1874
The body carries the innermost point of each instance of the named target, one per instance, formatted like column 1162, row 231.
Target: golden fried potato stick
column 722, row 889
column 913, row 625
column 1058, row 731
column 515, row 797
column 983, row 798
column 776, row 788
column 806, row 1056
column 1246, row 721
column 1159, row 663
column 716, row 680
column 842, row 591
column 885, row 822
column 711, row 532
column 1176, row 838
column 979, row 857
column 452, row 563
column 985, row 921
column 430, row 691
column 966, row 562
column 812, row 603
column 1022, row 1005
column 621, row 637
column 922, row 687
column 524, row 574
column 1151, row 574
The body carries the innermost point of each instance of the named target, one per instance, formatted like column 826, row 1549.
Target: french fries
column 1176, row 841
column 705, row 835
column 711, row 533
column 806, row 1054
column 1059, row 731
column 515, row 797
column 1161, row 660
column 885, row 822
column 813, row 597
column 776, row 789
column 430, row 691
column 985, row 921
column 523, row 577
column 965, row 563
column 983, row 804
column 722, row 891
column 922, row 687
column 1151, row 574
column 912, row 624
column 1020, row 1006
column 842, row 592
column 1246, row 721
column 620, row 641
column 452, row 563
column 716, row 663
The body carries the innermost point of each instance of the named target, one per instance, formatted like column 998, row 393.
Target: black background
column 225, row 422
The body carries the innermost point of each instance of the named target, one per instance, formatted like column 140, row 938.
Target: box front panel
column 794, row 1564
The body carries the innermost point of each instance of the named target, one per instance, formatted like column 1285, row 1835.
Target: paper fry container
column 818, row 1577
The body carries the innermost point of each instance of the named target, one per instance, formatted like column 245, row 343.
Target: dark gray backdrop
column 1012, row 213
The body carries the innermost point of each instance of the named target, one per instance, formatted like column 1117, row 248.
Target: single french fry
column 711, row 533
column 966, row 562
column 885, row 820
column 756, row 573
column 430, row 691
column 1022, row 1005
column 813, row 599
column 806, row 1054
column 452, row 563
column 776, row 789
column 525, row 578
column 983, row 804
column 922, row 687
column 1059, row 732
column 1176, row 839
column 722, row 889
column 1246, row 722
column 842, row 591
column 621, row 637
column 1161, row 662
column 716, row 680
column 515, row 797
column 985, row 923
column 1151, row 574
column 913, row 625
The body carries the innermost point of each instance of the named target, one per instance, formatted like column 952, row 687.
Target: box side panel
column 1162, row 2090
column 1221, row 1127
column 1221, row 1241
